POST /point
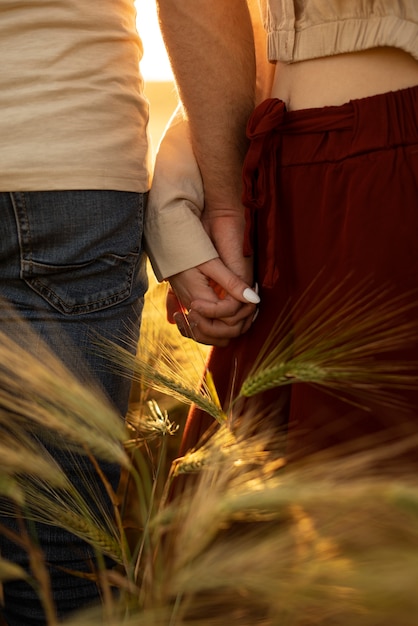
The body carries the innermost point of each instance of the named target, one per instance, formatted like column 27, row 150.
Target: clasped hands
column 211, row 304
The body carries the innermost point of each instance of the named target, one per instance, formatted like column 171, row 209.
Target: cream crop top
column 72, row 110
column 299, row 30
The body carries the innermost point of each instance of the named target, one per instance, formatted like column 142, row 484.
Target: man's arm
column 211, row 48
column 181, row 251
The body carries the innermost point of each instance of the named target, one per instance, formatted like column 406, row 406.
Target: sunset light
column 154, row 65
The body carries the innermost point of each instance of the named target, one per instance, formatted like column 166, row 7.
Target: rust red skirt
column 332, row 216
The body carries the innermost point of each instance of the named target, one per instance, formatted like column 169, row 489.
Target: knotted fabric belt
column 265, row 129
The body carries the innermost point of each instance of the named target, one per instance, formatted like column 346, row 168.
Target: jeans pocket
column 77, row 289
column 81, row 250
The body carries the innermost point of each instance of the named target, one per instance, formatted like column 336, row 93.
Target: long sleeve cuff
column 175, row 239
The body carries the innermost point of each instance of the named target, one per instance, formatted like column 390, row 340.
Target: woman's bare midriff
column 334, row 80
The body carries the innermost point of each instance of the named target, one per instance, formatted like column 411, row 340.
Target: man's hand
column 210, row 304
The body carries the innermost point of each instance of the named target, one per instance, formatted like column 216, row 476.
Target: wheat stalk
column 71, row 511
column 344, row 347
column 162, row 375
column 40, row 393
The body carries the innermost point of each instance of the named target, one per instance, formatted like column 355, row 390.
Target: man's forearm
column 211, row 47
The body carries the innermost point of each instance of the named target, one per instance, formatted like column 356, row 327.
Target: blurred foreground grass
column 248, row 540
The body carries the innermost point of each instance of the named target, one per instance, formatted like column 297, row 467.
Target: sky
column 154, row 65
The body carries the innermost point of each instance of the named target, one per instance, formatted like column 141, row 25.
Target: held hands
column 211, row 304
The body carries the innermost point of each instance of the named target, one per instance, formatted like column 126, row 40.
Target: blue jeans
column 71, row 264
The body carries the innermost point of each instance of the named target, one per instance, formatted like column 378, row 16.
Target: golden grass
column 343, row 343
column 249, row 540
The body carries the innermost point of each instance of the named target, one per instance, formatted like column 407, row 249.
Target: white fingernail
column 251, row 296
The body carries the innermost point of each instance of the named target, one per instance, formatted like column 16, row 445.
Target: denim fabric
column 71, row 264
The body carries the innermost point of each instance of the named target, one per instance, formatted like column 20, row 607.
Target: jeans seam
column 18, row 200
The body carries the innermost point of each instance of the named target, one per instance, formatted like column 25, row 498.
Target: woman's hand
column 210, row 304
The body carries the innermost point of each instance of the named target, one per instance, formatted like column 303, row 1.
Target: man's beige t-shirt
column 72, row 110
